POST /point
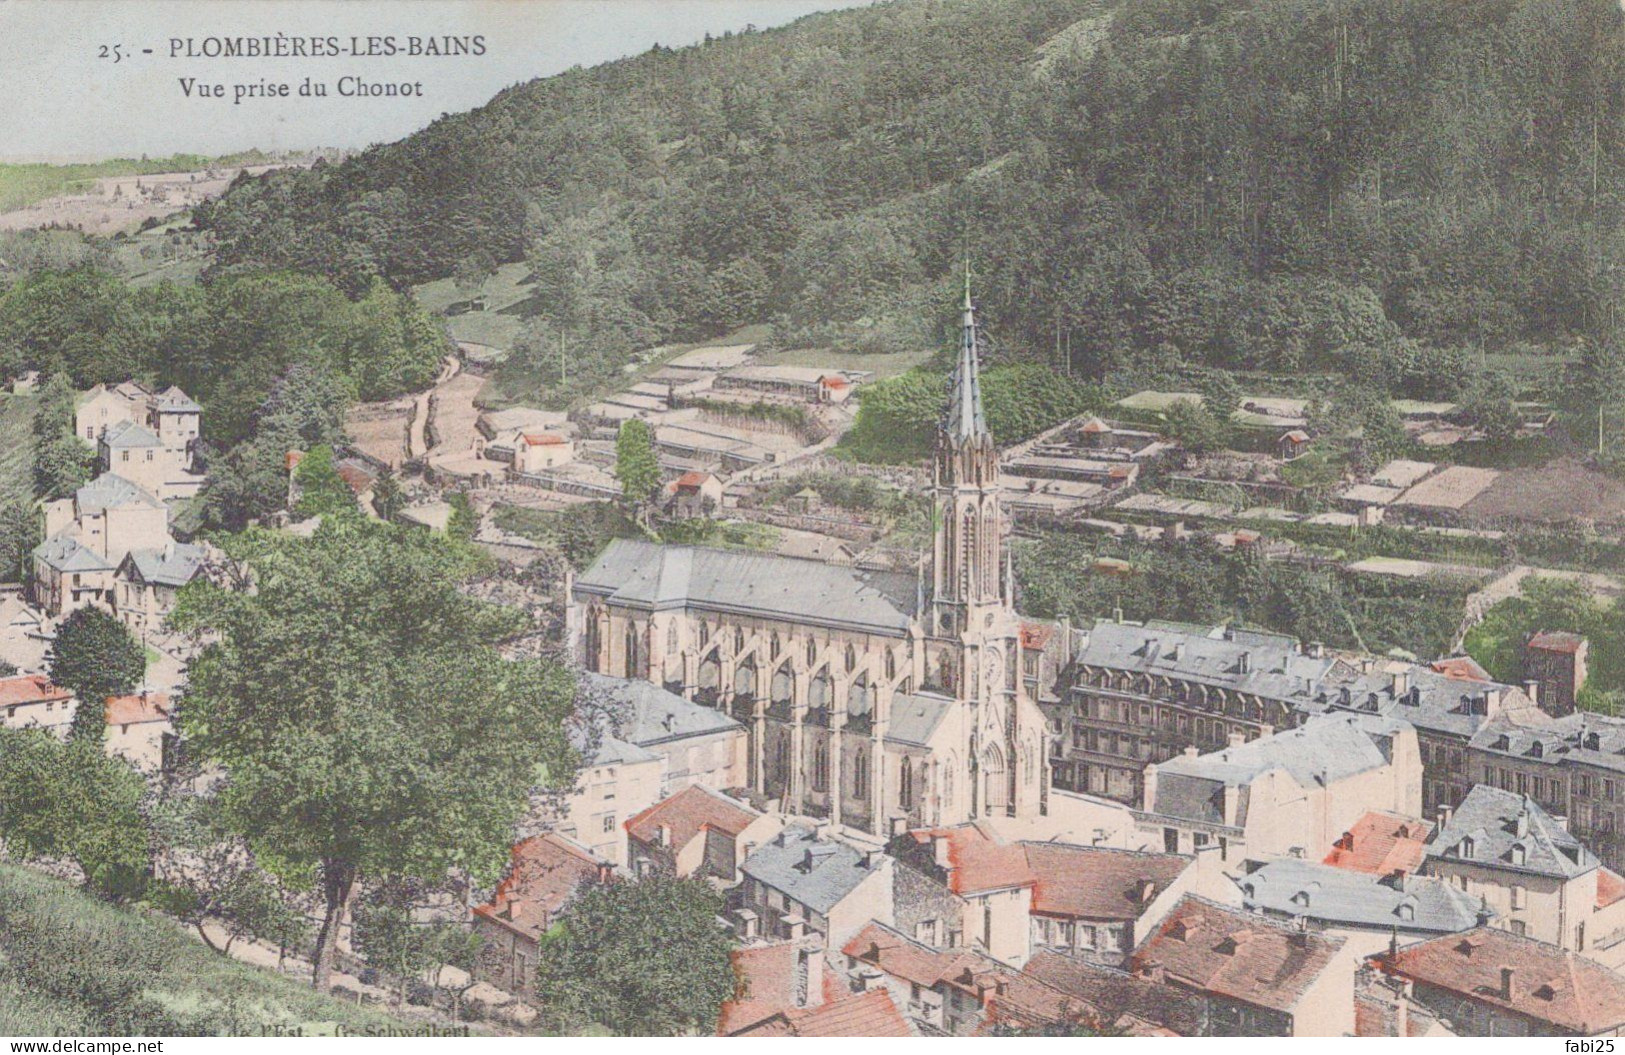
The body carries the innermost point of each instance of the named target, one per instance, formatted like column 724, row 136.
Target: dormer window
column 1407, row 912
column 1519, row 854
column 1466, row 848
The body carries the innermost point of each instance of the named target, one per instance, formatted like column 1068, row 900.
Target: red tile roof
column 977, row 861
column 1297, row 436
column 871, row 1014
column 1556, row 641
column 292, row 459
column 689, row 813
column 1120, row 472
column 1381, row 844
column 1234, row 955
column 767, row 982
column 138, row 709
column 1548, row 984
column 1095, row 425
column 358, row 478
column 543, row 439
column 543, row 875
column 1085, row 882
column 690, row 480
column 30, row 688
column 1143, row 1008
column 1461, row 668
column 1610, row 887
column 1035, row 636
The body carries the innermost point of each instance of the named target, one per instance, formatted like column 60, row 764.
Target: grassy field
column 22, row 185
column 882, row 365
column 505, row 295
column 72, row 964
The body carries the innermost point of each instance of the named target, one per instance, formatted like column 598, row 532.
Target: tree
column 387, row 497
column 643, row 958
column 367, row 722
column 61, row 460
column 73, row 801
column 322, row 491
column 1197, row 429
column 462, row 523
column 636, row 466
column 391, row 933
column 95, row 656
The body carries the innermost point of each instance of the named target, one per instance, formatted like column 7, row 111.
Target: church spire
column 965, row 420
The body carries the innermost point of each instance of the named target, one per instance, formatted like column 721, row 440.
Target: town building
column 1137, row 694
column 698, row 832
column 1488, row 983
column 978, row 890
column 1529, row 870
column 1557, row 661
column 149, row 438
column 870, row 696
column 697, row 744
column 1096, row 903
column 1382, row 843
column 141, row 729
column 31, row 700
column 1363, row 909
column 805, row 882
column 147, row 583
column 543, row 878
column 1258, row 977
column 1284, row 794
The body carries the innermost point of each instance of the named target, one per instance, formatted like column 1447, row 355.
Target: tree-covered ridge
column 1288, row 184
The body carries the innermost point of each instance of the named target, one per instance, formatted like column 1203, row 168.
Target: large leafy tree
column 322, row 491
column 95, row 656
column 72, row 801
column 367, row 723
column 61, row 461
column 643, row 959
column 636, row 466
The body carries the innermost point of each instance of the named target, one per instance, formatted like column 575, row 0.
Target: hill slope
column 70, row 964
column 1278, row 185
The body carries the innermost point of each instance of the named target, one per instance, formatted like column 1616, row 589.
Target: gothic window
column 860, row 774
column 671, row 636
column 821, row 766
column 905, row 785
column 773, row 648
column 812, row 652
column 705, row 633
column 860, row 698
column 710, row 679
column 739, row 639
column 745, row 680
column 782, row 756
column 819, row 691
column 851, row 659
column 631, row 650
column 891, row 664
column 948, row 787
column 783, row 686
column 968, row 558
column 996, row 793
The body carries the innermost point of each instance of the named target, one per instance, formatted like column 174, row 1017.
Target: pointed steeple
column 965, row 420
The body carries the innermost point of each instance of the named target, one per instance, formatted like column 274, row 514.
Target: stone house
column 1095, row 903
column 140, row 729
column 697, row 832
column 1556, row 660
column 989, row 885
column 31, row 700
column 543, row 877
column 805, row 882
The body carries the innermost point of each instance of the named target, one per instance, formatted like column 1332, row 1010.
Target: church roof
column 640, row 574
column 965, row 419
column 915, row 717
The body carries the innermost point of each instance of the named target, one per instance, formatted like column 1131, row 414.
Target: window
column 1518, row 927
column 1519, row 897
column 609, row 823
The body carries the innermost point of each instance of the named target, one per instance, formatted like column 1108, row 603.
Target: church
column 876, row 700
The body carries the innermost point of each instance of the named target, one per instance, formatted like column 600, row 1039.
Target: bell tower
column 967, row 564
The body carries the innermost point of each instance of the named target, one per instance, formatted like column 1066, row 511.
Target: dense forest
column 1369, row 186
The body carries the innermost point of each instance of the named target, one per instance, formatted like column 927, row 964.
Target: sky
column 62, row 99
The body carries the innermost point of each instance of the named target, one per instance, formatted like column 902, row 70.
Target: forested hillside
column 1282, row 185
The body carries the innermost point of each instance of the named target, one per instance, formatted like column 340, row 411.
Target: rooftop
column 173, row 565
column 138, row 708
column 112, row 491
column 818, row 873
column 1521, row 975
column 543, row 875
column 1234, row 954
column 127, row 435
column 1111, row 991
column 641, row 574
column 1089, row 882
column 30, row 688
column 977, row 862
column 64, row 553
column 1500, row 829
column 646, row 714
column 1381, row 843
column 1341, row 897
column 690, row 812
column 870, row 1014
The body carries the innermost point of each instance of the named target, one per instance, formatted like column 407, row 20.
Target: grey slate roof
column 1324, row 749
column 1500, row 824
column 173, row 401
column 609, row 750
column 644, row 575
column 66, row 553
column 1269, row 665
column 1575, row 739
column 648, row 714
column 174, row 565
column 109, row 491
column 915, row 717
column 1340, row 897
column 126, row 435
column 819, row 873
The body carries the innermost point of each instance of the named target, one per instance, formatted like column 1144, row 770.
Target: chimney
column 939, row 851
column 872, row 859
column 1237, row 738
column 1506, row 983
column 1492, row 699
column 868, row 979
column 1244, row 663
column 1147, row 891
column 794, row 927
column 1401, row 683
column 899, row 827
column 1191, row 752
column 1316, row 650
column 823, row 831
column 1117, row 615
column 1177, row 651
column 1531, row 689
column 1523, row 821
column 1445, row 813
